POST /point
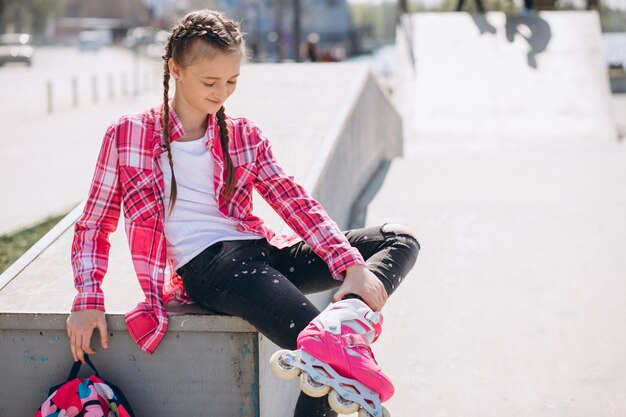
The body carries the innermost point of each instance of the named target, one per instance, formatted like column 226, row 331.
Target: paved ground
column 515, row 307
column 47, row 159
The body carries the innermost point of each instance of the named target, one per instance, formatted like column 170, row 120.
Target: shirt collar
column 176, row 126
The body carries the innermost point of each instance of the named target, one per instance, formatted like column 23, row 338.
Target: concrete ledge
column 368, row 132
column 34, row 251
column 215, row 365
column 187, row 319
column 179, row 379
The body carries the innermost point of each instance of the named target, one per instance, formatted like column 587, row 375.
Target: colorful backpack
column 88, row 397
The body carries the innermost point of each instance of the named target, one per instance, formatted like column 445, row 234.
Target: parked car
column 15, row 47
column 139, row 37
column 89, row 41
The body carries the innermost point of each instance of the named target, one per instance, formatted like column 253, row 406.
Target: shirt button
column 160, row 201
column 161, row 270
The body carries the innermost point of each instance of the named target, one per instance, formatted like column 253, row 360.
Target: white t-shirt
column 195, row 223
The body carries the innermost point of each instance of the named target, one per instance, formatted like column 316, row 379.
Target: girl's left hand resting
column 361, row 281
column 80, row 326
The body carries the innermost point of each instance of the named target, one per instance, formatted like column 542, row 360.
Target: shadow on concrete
column 534, row 29
column 483, row 25
column 358, row 214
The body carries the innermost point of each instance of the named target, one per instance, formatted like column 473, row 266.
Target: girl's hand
column 80, row 327
column 361, row 281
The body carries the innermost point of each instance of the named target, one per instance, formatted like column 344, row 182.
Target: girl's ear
column 175, row 70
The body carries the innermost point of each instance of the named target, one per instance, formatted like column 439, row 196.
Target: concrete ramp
column 495, row 76
column 515, row 188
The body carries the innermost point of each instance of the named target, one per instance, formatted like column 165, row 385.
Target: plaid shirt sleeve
column 302, row 212
column 90, row 247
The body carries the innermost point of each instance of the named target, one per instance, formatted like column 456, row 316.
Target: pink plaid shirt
column 129, row 176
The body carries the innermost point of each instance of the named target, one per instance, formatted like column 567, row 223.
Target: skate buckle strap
column 372, row 317
column 354, row 340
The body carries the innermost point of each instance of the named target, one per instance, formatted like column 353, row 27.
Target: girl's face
column 207, row 80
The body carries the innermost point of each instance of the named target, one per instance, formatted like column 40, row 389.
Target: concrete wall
column 331, row 135
column 369, row 132
column 179, row 379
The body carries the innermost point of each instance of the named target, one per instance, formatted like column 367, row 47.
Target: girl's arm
column 302, row 213
column 90, row 248
column 308, row 218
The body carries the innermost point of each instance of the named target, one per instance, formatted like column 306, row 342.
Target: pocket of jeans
column 203, row 260
column 195, row 273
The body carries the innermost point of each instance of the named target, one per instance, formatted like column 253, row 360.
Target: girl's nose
column 222, row 93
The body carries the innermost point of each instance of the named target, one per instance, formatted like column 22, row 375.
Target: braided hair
column 223, row 34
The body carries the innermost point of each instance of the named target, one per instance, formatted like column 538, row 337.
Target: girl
column 183, row 173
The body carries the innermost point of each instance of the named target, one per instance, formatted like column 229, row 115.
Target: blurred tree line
column 29, row 16
column 612, row 20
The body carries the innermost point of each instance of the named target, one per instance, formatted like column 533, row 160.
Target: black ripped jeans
column 266, row 286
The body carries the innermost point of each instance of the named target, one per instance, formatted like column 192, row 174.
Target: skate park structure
column 316, row 118
column 513, row 181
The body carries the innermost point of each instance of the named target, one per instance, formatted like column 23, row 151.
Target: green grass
column 13, row 245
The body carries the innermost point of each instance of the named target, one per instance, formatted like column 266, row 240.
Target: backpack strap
column 76, row 367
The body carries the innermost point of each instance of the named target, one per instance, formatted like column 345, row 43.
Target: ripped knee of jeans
column 396, row 229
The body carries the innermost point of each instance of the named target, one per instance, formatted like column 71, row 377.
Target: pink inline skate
column 334, row 358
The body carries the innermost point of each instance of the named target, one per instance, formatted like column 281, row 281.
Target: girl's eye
column 213, row 84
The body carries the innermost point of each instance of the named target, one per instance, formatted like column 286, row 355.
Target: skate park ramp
column 500, row 77
column 514, row 183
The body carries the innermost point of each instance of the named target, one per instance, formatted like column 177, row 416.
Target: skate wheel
column 280, row 367
column 311, row 387
column 342, row 405
column 363, row 413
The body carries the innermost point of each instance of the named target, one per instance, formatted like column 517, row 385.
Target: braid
column 225, row 141
column 215, row 30
column 212, row 27
column 166, row 123
column 229, row 28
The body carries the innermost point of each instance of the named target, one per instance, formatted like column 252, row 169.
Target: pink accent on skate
column 347, row 351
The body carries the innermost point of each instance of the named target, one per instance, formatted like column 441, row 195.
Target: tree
column 403, row 6
column 593, row 4
column 28, row 15
column 41, row 10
